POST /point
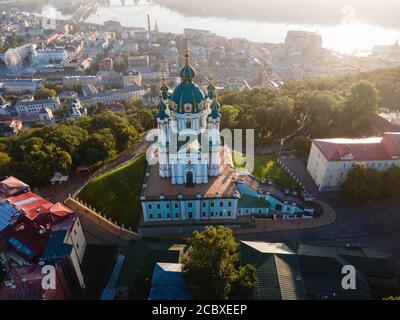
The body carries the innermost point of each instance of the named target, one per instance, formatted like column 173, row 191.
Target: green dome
column 187, row 92
column 161, row 110
column 211, row 89
column 187, row 72
column 214, row 114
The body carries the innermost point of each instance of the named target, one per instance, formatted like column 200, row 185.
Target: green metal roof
column 277, row 275
column 146, row 252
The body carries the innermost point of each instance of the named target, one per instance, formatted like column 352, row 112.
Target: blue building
column 194, row 179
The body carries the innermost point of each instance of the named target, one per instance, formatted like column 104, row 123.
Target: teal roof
column 211, row 89
column 56, row 248
column 187, row 92
column 161, row 110
column 214, row 109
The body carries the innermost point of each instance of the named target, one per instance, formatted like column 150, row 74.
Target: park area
column 117, row 193
column 266, row 166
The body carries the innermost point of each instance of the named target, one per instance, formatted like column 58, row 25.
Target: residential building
column 46, row 115
column 330, row 160
column 36, row 231
column 9, row 126
column 106, row 64
column 12, row 186
column 306, row 272
column 131, row 77
column 27, row 108
column 75, row 109
column 21, row 86
column 109, row 96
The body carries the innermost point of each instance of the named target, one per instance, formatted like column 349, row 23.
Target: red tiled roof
column 370, row 149
column 32, row 204
column 12, row 182
column 25, row 283
column 60, row 210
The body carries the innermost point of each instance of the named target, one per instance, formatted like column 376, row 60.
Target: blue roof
column 187, row 92
column 7, row 213
column 56, row 248
column 167, row 283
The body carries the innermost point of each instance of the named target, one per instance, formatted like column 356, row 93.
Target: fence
column 101, row 219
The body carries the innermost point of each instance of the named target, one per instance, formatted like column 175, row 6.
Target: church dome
column 187, row 92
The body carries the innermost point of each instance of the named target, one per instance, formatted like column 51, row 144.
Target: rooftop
column 223, row 185
column 368, row 149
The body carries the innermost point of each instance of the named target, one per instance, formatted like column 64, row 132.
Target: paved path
column 374, row 225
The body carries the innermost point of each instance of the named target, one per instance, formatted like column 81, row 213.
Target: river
column 348, row 37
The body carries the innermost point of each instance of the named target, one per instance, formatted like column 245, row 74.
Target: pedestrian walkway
column 327, row 218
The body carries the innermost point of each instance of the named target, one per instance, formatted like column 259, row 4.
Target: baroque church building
column 188, row 131
column 194, row 182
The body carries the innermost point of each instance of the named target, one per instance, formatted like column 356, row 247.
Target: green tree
column 362, row 100
column 229, row 116
column 363, row 184
column 5, row 163
column 301, row 146
column 44, row 93
column 391, row 182
column 210, row 265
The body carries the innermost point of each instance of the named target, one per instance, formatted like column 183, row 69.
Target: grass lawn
column 117, row 193
column 266, row 166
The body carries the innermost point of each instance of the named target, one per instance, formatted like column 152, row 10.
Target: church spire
column 187, row 72
column 164, row 88
column 210, row 87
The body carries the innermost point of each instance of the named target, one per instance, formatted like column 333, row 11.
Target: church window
column 221, row 204
column 176, row 206
column 167, row 205
column 188, row 124
column 190, row 205
column 159, row 216
column 229, row 204
column 168, row 215
column 228, row 213
column 204, row 204
column 150, row 216
column 204, row 214
column 190, row 215
column 149, row 206
column 212, row 204
column 158, row 206
column 177, row 215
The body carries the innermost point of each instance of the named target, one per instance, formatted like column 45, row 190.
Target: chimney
column 148, row 23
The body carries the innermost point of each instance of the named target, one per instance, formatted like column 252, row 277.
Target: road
column 375, row 225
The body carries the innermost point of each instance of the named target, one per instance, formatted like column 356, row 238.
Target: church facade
column 194, row 179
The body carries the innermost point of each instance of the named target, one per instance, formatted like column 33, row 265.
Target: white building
column 45, row 115
column 110, row 96
column 21, row 86
column 31, row 108
column 330, row 160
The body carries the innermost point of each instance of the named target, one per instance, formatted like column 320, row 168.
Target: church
column 194, row 180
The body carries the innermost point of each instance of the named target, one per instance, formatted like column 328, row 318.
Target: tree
column 391, row 182
column 210, row 265
column 44, row 93
column 229, row 115
column 98, row 147
column 363, row 184
column 362, row 100
column 301, row 146
column 5, row 162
